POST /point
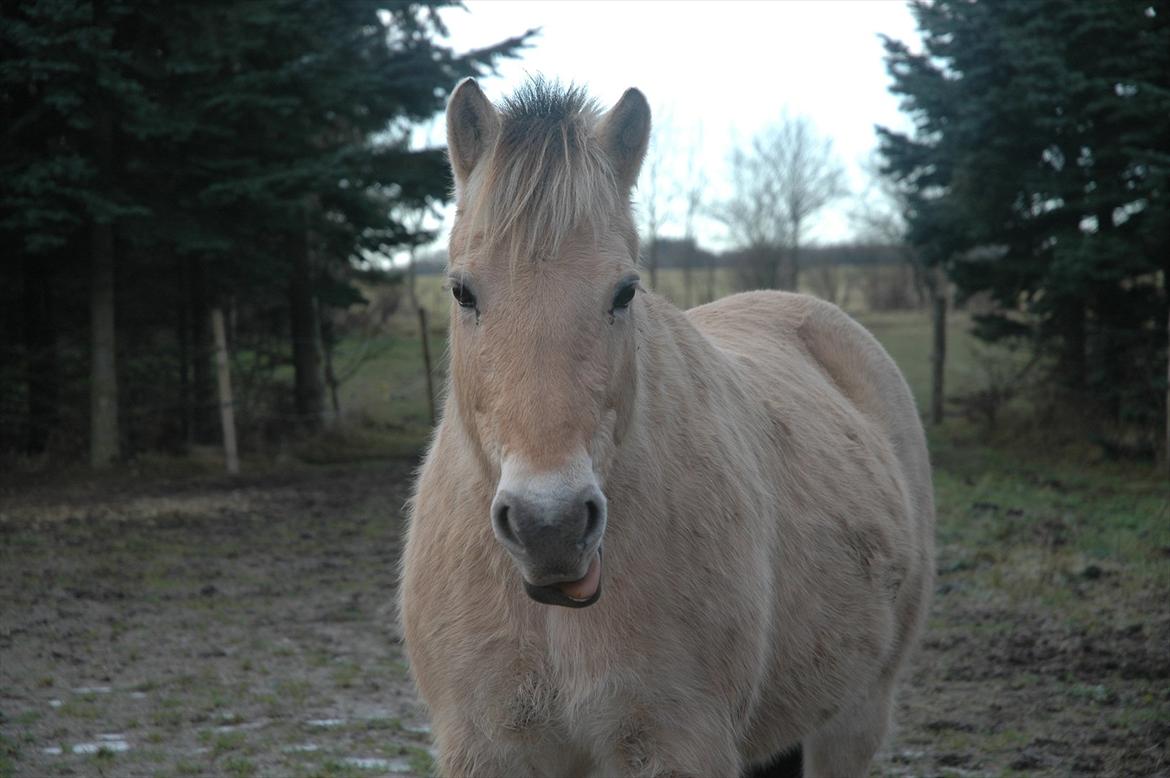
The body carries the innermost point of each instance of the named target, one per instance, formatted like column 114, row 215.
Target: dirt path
column 247, row 628
column 207, row 630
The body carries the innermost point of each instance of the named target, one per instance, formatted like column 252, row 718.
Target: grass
column 9, row 754
column 905, row 334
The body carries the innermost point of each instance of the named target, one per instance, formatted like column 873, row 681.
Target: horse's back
column 793, row 332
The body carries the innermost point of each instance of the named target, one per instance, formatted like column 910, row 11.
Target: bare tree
column 753, row 218
column 657, row 191
column 696, row 182
column 810, row 177
column 830, row 280
column 789, row 173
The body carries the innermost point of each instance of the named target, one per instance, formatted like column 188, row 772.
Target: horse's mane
column 547, row 176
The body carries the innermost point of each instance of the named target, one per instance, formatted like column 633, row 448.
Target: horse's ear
column 473, row 124
column 624, row 133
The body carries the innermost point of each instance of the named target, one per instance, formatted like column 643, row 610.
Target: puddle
column 54, row 703
column 138, row 695
column 377, row 763
column 116, row 746
column 417, row 729
column 325, row 722
column 239, row 727
column 302, row 748
column 114, row 743
column 92, row 690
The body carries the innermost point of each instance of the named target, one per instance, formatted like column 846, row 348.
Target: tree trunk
column 42, row 372
column 1167, row 282
column 792, row 277
column 938, row 356
column 202, row 402
column 652, row 262
column 308, row 392
column 711, row 279
column 183, row 331
column 412, row 279
column 223, row 376
column 104, row 443
column 1074, row 360
column 330, row 377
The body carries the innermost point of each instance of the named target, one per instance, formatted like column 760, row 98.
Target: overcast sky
column 725, row 69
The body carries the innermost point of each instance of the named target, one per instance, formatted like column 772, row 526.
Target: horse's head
column 542, row 270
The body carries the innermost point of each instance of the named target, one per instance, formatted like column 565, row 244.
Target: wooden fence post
column 223, row 376
column 426, row 347
column 938, row 356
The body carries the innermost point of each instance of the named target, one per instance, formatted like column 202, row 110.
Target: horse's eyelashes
column 463, row 295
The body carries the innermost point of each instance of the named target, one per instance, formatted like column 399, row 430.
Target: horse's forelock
column 547, row 177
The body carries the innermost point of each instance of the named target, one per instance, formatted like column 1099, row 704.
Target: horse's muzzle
column 554, row 594
column 554, row 536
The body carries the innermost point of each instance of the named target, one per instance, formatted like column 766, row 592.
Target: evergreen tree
column 164, row 158
column 1037, row 173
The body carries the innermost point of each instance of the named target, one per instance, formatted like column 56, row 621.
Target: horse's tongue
column 587, row 586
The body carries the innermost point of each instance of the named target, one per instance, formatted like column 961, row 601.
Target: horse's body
column 767, row 550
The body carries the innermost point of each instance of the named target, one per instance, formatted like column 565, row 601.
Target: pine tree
column 1037, row 174
column 185, row 156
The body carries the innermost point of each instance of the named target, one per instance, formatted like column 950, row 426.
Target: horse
column 644, row 541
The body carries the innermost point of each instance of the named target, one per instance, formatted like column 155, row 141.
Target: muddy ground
column 239, row 628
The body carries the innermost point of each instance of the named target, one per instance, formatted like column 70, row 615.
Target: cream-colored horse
column 733, row 504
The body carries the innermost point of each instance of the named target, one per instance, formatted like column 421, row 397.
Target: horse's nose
column 550, row 532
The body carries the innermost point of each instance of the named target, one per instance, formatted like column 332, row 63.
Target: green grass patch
column 225, row 742
column 83, row 708
column 240, row 767
column 421, row 761
column 9, row 756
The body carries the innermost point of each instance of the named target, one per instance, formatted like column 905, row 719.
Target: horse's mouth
column 571, row 594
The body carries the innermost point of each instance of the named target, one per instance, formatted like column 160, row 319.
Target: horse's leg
column 464, row 751
column 783, row 765
column 846, row 744
column 683, row 743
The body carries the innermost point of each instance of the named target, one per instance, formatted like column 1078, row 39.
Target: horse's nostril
column 592, row 519
column 504, row 524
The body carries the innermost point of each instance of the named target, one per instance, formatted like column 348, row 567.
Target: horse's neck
column 678, row 369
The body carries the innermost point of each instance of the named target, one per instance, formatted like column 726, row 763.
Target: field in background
column 195, row 625
column 389, row 392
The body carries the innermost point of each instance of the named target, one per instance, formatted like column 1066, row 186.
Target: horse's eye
column 463, row 295
column 624, row 296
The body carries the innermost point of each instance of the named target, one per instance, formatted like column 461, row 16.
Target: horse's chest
column 566, row 699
